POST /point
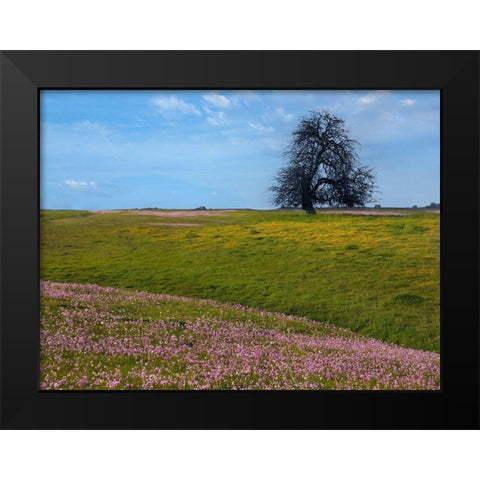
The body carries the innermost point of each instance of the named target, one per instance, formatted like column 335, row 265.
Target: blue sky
column 221, row 149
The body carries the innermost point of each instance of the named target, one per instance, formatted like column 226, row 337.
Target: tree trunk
column 307, row 205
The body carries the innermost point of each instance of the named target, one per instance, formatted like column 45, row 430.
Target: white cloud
column 216, row 118
column 408, row 102
column 261, row 128
column 87, row 187
column 277, row 114
column 244, row 97
column 391, row 117
column 89, row 127
column 283, row 114
column 366, row 99
column 217, row 100
column 96, row 128
column 172, row 105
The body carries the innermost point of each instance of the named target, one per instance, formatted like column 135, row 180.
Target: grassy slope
column 378, row 276
column 97, row 338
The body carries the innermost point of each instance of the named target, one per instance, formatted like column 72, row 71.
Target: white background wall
column 249, row 24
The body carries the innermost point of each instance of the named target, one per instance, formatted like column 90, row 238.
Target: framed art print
column 239, row 239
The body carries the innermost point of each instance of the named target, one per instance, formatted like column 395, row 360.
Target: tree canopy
column 322, row 167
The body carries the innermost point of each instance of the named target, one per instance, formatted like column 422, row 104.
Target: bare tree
column 322, row 167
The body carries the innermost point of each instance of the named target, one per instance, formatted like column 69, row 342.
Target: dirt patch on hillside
column 181, row 213
column 105, row 211
column 364, row 212
column 176, row 224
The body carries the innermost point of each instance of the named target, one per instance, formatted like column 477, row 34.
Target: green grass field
column 376, row 275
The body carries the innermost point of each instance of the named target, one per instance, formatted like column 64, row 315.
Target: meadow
column 105, row 338
column 377, row 276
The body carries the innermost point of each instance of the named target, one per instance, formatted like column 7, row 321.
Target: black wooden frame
column 23, row 74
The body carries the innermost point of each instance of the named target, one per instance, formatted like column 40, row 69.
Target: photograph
column 239, row 239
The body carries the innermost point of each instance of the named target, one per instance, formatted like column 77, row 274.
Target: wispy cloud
column 88, row 126
column 245, row 97
column 97, row 128
column 408, row 102
column 391, row 117
column 261, row 128
column 83, row 187
column 366, row 99
column 215, row 118
column 283, row 114
column 173, row 106
column 217, row 100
